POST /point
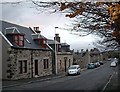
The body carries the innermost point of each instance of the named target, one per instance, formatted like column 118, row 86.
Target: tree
column 100, row 18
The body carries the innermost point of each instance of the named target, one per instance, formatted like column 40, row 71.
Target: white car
column 113, row 64
column 74, row 69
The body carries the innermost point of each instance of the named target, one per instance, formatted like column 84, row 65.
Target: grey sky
column 24, row 15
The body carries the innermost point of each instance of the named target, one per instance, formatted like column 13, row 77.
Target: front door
column 36, row 67
column 65, row 61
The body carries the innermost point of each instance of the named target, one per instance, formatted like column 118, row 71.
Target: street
column 90, row 79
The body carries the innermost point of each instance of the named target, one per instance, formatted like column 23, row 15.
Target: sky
column 27, row 15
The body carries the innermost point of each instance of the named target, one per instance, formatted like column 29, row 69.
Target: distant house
column 81, row 58
column 25, row 53
column 84, row 57
column 95, row 55
column 64, row 54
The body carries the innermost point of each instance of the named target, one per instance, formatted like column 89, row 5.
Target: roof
column 65, row 44
column 52, row 41
column 28, row 41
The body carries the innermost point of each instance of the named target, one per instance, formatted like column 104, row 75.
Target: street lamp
column 55, row 53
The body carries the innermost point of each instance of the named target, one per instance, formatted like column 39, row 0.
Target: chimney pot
column 57, row 37
column 36, row 29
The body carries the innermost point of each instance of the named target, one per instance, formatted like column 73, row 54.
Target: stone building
column 84, row 57
column 63, row 52
column 81, row 58
column 95, row 55
column 25, row 53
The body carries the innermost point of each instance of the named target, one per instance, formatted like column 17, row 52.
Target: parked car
column 101, row 62
column 115, row 60
column 113, row 64
column 74, row 69
column 91, row 66
column 97, row 64
column 109, row 59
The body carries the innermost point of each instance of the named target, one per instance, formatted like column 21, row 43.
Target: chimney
column 57, row 37
column 36, row 29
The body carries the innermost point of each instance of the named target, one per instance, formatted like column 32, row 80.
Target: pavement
column 11, row 83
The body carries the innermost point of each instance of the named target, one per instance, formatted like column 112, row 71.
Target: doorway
column 36, row 67
column 65, row 63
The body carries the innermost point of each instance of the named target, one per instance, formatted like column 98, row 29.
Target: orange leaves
column 114, row 11
column 75, row 13
column 78, row 11
column 99, row 3
column 63, row 6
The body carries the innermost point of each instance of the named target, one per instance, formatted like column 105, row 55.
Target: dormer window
column 39, row 40
column 19, row 39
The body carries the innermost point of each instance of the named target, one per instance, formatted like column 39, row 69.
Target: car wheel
column 78, row 73
column 68, row 74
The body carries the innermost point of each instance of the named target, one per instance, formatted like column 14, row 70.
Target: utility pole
column 56, row 70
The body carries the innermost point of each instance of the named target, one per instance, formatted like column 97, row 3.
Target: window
column 45, row 63
column 40, row 42
column 22, row 66
column 28, row 41
column 19, row 40
column 25, row 66
column 60, row 64
column 16, row 39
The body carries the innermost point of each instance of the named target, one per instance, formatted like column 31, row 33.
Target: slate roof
column 65, row 44
column 52, row 41
column 28, row 41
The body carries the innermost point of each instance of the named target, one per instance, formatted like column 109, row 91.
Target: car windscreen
column 72, row 67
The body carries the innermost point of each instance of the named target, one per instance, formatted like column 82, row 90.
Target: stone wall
column 84, row 58
column 64, row 61
column 81, row 59
column 16, row 55
column 40, row 56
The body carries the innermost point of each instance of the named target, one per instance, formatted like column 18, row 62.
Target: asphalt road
column 90, row 79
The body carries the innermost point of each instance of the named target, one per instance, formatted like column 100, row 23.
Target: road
column 90, row 79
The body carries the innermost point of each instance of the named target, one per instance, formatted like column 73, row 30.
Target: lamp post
column 55, row 53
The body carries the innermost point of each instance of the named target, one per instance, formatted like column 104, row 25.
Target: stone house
column 25, row 53
column 81, row 58
column 84, row 57
column 63, row 52
column 95, row 55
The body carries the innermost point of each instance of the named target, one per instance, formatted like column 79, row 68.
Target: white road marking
column 108, row 82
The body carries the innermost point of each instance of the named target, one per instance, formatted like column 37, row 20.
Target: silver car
column 74, row 69
column 113, row 64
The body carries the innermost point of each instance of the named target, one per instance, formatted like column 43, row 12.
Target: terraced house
column 25, row 53
column 63, row 52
